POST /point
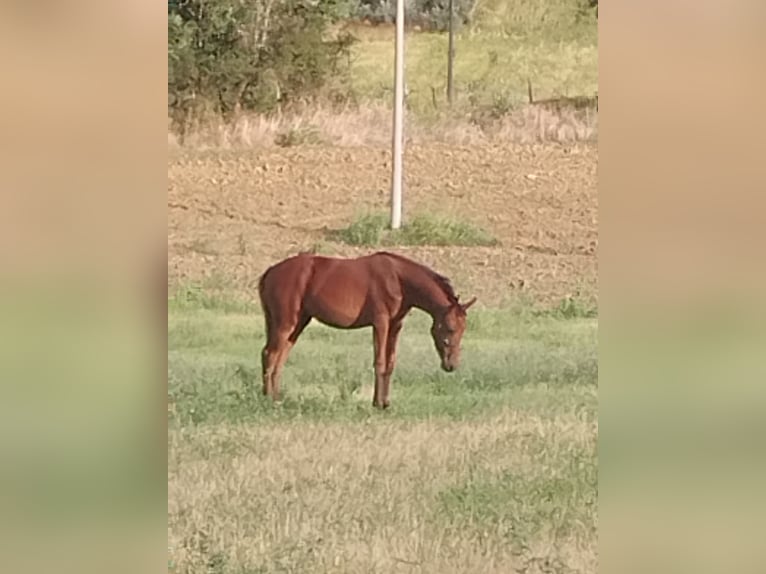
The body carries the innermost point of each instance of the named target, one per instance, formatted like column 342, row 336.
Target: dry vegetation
column 370, row 125
column 433, row 497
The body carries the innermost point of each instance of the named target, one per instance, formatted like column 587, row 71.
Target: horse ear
column 467, row 305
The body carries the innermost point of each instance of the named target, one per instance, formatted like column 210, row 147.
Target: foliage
column 428, row 14
column 523, row 15
column 273, row 56
column 230, row 55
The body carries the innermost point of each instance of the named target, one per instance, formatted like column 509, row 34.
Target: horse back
column 340, row 292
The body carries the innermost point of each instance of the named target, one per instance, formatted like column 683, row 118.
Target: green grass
column 492, row 66
column 509, row 356
column 215, row 370
column 196, row 296
column 563, row 489
column 570, row 308
column 553, row 19
column 373, row 230
column 491, row 468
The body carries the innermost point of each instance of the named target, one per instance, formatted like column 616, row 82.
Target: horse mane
column 439, row 279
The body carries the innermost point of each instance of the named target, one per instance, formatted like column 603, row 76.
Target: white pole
column 396, row 178
column 450, row 56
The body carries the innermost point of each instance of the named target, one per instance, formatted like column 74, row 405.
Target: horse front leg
column 380, row 339
column 393, row 338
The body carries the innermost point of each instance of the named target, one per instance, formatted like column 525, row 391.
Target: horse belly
column 341, row 305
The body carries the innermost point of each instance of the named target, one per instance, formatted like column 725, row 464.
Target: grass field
column 551, row 43
column 491, row 69
column 489, row 469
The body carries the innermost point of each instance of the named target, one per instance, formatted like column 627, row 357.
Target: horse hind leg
column 271, row 357
column 270, row 349
column 285, row 341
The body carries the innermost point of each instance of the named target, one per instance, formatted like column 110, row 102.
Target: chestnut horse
column 376, row 290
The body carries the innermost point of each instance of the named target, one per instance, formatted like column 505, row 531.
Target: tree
column 225, row 56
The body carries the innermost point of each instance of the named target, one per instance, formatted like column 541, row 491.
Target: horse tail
column 264, row 302
column 262, row 284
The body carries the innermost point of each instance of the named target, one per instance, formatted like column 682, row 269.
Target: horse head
column 447, row 331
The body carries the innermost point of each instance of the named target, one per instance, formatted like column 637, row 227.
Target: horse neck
column 423, row 291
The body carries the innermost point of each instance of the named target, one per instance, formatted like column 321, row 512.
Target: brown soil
column 231, row 214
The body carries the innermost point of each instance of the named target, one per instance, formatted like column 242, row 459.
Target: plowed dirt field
column 231, row 214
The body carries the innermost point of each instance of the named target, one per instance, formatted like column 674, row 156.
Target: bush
column 373, row 230
column 428, row 14
column 298, row 136
column 434, row 14
column 225, row 56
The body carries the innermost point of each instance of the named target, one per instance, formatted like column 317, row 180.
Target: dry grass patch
column 370, row 125
column 380, row 496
